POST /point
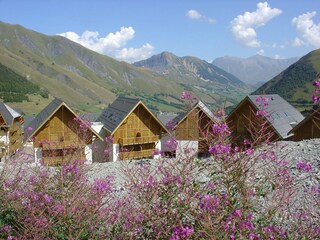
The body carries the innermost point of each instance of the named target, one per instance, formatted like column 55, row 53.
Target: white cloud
column 276, row 45
column 243, row 26
column 260, row 52
column 277, row 56
column 297, row 42
column 113, row 44
column 307, row 29
column 195, row 15
column 135, row 54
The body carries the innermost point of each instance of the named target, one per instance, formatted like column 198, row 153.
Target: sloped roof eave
column 189, row 112
column 51, row 114
column 132, row 110
column 256, row 109
column 304, row 121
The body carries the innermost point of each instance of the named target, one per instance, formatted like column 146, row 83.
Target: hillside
column 18, row 88
column 192, row 71
column 295, row 83
column 255, row 69
column 87, row 80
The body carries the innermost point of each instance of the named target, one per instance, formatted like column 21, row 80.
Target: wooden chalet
column 308, row 128
column 280, row 118
column 135, row 131
column 11, row 130
column 192, row 129
column 58, row 135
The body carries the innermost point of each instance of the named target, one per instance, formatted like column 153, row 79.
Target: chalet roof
column 117, row 112
column 282, row 114
column 181, row 116
column 166, row 118
column 8, row 113
column 44, row 116
column 310, row 116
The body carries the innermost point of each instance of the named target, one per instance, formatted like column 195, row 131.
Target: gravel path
column 306, row 151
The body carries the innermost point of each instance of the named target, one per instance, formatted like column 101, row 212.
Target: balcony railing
column 14, row 128
column 136, row 154
column 62, row 145
column 15, row 137
column 138, row 140
column 14, row 146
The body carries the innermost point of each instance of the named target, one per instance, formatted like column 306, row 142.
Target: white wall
column 158, row 147
column 37, row 155
column 186, row 149
column 115, row 152
column 88, row 153
column 5, row 138
column 99, row 146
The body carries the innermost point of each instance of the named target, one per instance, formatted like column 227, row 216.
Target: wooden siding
column 205, row 132
column 138, row 133
column 59, row 156
column 241, row 123
column 195, row 127
column 2, row 121
column 188, row 129
column 2, row 149
column 137, row 151
column 309, row 129
column 138, row 140
column 14, row 133
column 62, row 138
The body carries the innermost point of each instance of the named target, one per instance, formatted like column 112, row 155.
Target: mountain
column 295, row 83
column 254, row 69
column 192, row 71
column 18, row 88
column 89, row 81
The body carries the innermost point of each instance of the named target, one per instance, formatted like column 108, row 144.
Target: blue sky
column 134, row 30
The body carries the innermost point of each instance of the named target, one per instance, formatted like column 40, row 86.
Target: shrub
column 54, row 202
column 238, row 192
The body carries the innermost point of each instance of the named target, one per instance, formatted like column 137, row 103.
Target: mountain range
column 89, row 81
column 192, row 71
column 188, row 69
column 254, row 70
column 35, row 67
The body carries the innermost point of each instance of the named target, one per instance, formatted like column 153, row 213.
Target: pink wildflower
column 186, row 95
column 249, row 151
column 109, row 139
column 261, row 113
column 237, row 213
column 220, row 149
column 221, row 129
column 181, row 233
column 157, row 152
column 316, row 83
column 47, row 198
column 303, row 166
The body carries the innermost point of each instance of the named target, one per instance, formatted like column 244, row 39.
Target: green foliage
column 14, row 87
column 7, row 216
column 295, row 81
